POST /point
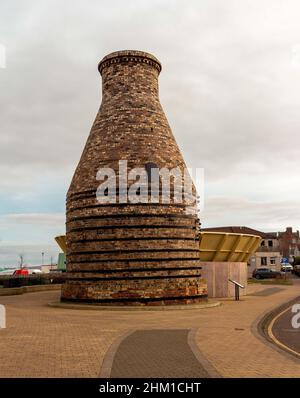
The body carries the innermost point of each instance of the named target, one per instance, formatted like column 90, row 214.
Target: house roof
column 242, row 230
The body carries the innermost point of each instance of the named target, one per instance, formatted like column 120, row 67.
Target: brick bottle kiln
column 125, row 253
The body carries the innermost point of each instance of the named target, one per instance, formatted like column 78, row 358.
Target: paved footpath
column 151, row 353
column 41, row 341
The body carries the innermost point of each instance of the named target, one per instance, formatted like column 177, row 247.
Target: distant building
column 47, row 268
column 61, row 264
column 268, row 254
column 289, row 243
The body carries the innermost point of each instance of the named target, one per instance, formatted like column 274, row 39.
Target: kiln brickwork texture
column 125, row 253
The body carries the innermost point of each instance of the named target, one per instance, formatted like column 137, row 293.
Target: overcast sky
column 230, row 87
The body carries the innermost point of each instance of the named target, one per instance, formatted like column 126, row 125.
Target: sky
column 230, row 87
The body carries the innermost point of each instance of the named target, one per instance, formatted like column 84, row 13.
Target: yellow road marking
column 270, row 333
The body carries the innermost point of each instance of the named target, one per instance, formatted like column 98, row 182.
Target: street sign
column 284, row 260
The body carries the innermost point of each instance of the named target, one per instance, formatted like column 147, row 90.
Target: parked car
column 286, row 268
column 264, row 273
column 21, row 272
column 297, row 269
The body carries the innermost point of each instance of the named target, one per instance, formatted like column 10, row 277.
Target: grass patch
column 279, row 281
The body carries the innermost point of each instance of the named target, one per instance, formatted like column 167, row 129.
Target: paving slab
column 267, row 292
column 157, row 353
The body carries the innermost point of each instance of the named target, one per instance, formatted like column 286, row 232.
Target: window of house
column 263, row 261
column 262, row 243
column 273, row 260
column 270, row 243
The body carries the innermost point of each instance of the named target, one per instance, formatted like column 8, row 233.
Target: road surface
column 283, row 332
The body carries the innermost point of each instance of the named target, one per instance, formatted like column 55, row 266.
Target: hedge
column 28, row 280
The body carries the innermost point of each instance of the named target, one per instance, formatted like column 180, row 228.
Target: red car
column 22, row 271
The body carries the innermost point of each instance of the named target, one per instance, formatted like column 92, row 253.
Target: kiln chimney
column 130, row 252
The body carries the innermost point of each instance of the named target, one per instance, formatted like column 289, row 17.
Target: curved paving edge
column 210, row 369
column 108, row 361
column 279, row 331
column 110, row 354
column 260, row 328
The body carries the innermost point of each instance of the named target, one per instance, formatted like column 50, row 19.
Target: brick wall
column 288, row 241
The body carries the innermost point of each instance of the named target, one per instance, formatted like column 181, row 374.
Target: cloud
column 228, row 211
column 45, row 220
column 9, row 254
column 230, row 87
column 30, row 234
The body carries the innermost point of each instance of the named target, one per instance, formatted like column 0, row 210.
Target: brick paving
column 41, row 341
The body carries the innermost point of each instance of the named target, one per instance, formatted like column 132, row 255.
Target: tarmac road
column 284, row 334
